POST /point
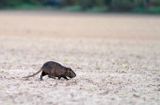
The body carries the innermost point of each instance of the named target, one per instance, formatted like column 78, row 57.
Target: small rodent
column 54, row 69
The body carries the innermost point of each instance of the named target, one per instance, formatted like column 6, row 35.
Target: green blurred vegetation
column 138, row 6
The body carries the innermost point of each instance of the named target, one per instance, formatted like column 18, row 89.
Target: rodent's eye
column 69, row 73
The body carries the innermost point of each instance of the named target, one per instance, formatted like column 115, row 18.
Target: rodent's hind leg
column 50, row 76
column 42, row 74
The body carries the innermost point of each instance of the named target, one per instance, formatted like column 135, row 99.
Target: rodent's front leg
column 65, row 77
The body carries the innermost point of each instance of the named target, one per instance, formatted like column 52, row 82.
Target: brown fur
column 54, row 69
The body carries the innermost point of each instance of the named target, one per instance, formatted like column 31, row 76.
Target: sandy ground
column 116, row 58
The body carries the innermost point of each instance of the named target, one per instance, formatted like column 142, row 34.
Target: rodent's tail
column 33, row 74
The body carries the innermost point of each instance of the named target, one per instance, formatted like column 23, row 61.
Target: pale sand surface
column 116, row 58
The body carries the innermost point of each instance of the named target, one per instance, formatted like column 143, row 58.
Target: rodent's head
column 70, row 73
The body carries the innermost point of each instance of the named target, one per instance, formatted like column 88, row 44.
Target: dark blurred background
column 137, row 6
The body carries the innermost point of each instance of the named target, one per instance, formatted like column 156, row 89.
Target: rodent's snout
column 74, row 75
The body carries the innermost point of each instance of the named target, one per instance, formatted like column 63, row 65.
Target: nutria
column 54, row 69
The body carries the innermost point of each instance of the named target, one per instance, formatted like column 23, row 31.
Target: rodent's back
column 52, row 67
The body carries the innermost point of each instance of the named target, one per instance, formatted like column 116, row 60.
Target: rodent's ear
column 68, row 68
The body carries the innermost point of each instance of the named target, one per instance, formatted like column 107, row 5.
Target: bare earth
column 116, row 58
